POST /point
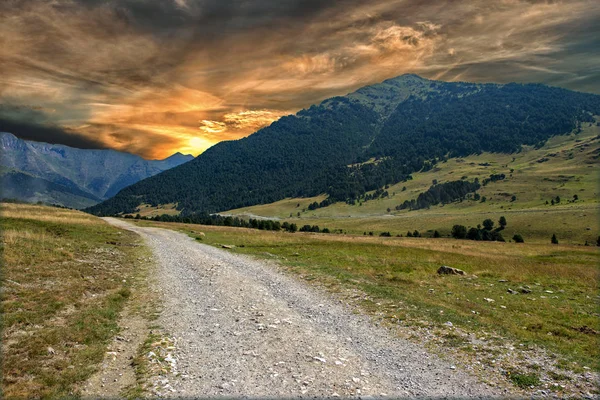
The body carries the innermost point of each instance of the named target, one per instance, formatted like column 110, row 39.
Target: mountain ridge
column 407, row 123
column 100, row 173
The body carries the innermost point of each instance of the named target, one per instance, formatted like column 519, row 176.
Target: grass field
column 66, row 276
column 565, row 166
column 398, row 277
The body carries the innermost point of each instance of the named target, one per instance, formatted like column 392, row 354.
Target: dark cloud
column 30, row 123
column 51, row 134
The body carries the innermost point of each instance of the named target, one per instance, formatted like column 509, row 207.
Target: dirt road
column 245, row 329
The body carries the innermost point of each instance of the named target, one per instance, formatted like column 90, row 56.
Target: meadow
column 66, row 276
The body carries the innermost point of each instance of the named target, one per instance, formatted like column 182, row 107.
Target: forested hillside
column 349, row 145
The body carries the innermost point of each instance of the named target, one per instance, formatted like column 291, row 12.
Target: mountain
column 36, row 171
column 350, row 144
column 22, row 186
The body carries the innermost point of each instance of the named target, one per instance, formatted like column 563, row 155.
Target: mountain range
column 35, row 171
column 351, row 144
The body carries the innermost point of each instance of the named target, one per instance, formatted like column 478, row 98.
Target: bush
column 493, row 236
column 436, row 234
column 474, row 234
column 459, row 232
column 554, row 239
column 518, row 238
column 488, row 224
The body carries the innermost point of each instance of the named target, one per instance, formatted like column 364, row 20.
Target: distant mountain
column 347, row 145
column 36, row 171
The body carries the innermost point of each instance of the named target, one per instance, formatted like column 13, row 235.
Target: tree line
column 443, row 193
column 220, row 220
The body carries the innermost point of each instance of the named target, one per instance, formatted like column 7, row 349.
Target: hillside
column 349, row 145
column 22, row 186
column 565, row 166
column 36, row 171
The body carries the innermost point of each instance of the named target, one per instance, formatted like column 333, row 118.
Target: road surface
column 243, row 328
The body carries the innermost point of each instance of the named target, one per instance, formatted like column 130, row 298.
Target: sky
column 153, row 77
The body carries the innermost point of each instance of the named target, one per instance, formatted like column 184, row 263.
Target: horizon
column 183, row 75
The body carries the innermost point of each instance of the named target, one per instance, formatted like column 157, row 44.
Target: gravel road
column 243, row 328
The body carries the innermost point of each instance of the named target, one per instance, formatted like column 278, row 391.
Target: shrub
column 488, row 224
column 518, row 238
column 459, row 232
column 554, row 239
column 474, row 234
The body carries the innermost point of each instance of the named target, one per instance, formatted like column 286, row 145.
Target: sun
column 196, row 145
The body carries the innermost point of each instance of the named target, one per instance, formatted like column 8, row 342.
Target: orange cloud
column 158, row 77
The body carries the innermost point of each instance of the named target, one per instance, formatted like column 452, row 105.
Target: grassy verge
column 66, row 276
column 559, row 313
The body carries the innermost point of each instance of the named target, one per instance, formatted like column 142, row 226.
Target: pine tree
column 554, row 240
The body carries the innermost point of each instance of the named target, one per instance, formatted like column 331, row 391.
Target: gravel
column 243, row 328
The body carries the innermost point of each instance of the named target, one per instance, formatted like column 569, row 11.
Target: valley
column 568, row 168
column 300, row 199
column 351, row 260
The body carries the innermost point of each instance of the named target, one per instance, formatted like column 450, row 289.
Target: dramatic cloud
column 158, row 76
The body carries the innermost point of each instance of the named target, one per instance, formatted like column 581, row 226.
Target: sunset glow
column 157, row 77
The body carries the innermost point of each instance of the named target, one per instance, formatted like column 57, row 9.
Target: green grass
column 525, row 380
column 400, row 274
column 66, row 277
column 570, row 169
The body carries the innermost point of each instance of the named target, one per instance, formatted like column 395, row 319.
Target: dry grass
column 44, row 213
column 66, row 276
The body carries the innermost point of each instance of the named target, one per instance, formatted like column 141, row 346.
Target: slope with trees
column 325, row 149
